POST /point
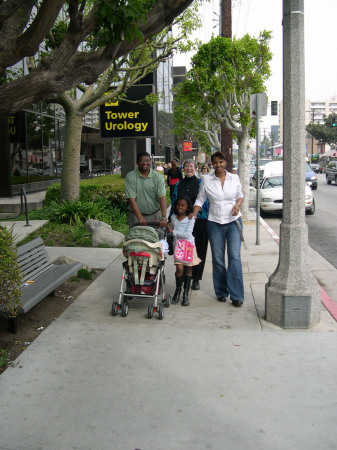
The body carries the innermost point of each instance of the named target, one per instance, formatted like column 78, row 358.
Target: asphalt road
column 322, row 226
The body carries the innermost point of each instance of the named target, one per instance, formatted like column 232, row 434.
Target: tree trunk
column 70, row 179
column 243, row 168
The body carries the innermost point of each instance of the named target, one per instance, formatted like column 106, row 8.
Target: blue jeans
column 228, row 281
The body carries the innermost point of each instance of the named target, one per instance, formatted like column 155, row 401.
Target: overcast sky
column 253, row 16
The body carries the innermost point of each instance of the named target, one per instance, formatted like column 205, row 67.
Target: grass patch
column 61, row 235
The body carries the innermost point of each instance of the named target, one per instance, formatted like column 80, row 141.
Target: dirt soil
column 31, row 324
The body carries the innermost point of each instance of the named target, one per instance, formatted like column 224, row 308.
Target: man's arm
column 135, row 209
column 162, row 202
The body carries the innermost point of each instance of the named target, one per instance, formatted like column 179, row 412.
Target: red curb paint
column 327, row 301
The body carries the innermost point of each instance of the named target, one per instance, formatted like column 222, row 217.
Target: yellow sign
column 110, row 102
column 128, row 119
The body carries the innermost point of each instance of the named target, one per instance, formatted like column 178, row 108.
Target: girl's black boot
column 179, row 283
column 187, row 285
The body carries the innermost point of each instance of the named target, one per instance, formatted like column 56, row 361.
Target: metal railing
column 24, row 208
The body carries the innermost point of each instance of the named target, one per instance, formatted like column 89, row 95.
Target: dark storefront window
column 37, row 152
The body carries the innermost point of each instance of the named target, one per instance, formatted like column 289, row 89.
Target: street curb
column 327, row 301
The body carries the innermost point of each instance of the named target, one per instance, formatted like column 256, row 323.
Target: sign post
column 258, row 107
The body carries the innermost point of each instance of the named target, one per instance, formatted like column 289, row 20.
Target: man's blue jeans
column 228, row 281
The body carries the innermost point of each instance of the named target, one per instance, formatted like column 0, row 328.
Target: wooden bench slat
column 32, row 252
column 45, row 284
column 37, row 272
column 35, row 266
column 29, row 246
column 33, row 258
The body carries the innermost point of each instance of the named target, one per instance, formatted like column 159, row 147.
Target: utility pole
column 292, row 292
column 226, row 31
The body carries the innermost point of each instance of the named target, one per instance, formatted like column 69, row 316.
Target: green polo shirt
column 146, row 191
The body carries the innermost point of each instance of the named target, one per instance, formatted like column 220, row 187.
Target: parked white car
column 271, row 192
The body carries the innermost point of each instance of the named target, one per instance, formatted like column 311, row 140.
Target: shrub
column 52, row 194
column 84, row 274
column 10, row 277
column 110, row 187
column 4, row 359
column 79, row 211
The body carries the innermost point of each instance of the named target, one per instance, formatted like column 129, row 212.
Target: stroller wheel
column 161, row 312
column 167, row 300
column 114, row 310
column 125, row 308
column 150, row 311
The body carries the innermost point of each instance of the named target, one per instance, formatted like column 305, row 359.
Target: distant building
column 314, row 112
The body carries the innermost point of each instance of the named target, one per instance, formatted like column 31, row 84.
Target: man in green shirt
column 146, row 192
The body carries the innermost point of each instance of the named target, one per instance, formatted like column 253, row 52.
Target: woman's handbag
column 183, row 251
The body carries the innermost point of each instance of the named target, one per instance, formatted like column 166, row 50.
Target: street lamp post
column 292, row 292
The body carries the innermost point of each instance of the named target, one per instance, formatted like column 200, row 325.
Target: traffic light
column 333, row 121
column 274, row 108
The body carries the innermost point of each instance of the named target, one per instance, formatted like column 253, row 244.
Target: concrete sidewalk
column 208, row 376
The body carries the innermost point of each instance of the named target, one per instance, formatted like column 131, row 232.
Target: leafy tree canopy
column 326, row 132
column 69, row 52
column 216, row 90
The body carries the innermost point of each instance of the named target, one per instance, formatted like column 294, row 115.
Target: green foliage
column 84, row 274
column 62, row 235
column 58, row 33
column 117, row 19
column 79, row 211
column 11, row 75
column 216, row 90
column 4, row 358
column 10, row 277
column 324, row 132
column 110, row 187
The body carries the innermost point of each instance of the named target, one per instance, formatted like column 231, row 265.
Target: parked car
column 331, row 172
column 310, row 176
column 317, row 168
column 100, row 172
column 271, row 190
column 271, row 168
column 271, row 195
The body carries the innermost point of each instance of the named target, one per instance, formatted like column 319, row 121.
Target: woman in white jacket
column 224, row 226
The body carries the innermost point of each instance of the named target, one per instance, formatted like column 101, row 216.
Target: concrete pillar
column 292, row 293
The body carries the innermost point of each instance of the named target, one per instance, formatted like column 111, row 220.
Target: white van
column 269, row 169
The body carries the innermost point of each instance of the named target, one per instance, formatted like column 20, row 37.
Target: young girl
column 181, row 227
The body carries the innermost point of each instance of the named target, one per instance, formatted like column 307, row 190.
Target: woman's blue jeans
column 228, row 281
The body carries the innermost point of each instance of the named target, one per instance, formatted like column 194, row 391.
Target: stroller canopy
column 144, row 233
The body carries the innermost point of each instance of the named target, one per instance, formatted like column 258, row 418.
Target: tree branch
column 66, row 67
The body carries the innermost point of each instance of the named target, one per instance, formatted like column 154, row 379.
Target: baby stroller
column 143, row 271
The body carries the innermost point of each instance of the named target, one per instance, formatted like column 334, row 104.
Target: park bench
column 39, row 276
